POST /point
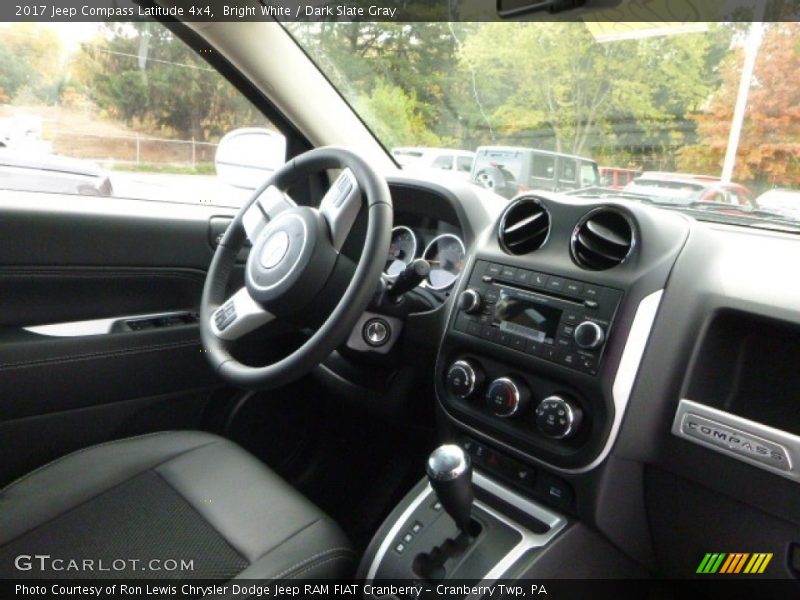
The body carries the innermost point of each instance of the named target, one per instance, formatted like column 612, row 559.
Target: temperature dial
column 463, row 378
column 558, row 418
column 506, row 398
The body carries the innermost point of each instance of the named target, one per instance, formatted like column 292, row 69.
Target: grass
column 198, row 169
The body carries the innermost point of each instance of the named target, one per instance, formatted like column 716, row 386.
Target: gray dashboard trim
column 748, row 441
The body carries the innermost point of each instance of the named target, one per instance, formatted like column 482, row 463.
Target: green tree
column 142, row 73
column 555, row 81
column 31, row 62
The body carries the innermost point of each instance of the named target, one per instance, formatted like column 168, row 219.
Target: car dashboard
column 598, row 354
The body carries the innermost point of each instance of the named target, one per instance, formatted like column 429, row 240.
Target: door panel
column 64, row 260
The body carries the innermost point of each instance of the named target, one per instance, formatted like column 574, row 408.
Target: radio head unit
column 540, row 314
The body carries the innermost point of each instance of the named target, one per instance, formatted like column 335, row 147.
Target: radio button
column 556, row 284
column 591, row 292
column 474, row 328
column 518, row 343
column 574, row 288
column 589, row 335
column 493, row 270
column 539, row 279
column 489, row 333
column 470, row 301
column 572, row 317
column 508, row 273
column 570, row 359
column 587, row 363
column 567, row 331
column 523, row 276
column 534, row 347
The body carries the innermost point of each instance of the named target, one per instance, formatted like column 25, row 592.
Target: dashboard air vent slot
column 524, row 226
column 602, row 239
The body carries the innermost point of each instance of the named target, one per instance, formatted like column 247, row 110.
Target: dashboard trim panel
column 748, row 441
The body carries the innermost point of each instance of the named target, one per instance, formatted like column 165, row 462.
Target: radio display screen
column 534, row 320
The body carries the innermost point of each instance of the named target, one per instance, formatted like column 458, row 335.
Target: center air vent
column 603, row 239
column 524, row 226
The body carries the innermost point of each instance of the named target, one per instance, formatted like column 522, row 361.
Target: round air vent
column 524, row 226
column 602, row 239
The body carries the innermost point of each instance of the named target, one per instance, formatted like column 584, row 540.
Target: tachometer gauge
column 402, row 250
column 446, row 256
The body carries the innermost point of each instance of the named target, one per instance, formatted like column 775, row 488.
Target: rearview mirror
column 246, row 157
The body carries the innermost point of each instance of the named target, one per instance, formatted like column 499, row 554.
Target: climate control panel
column 555, row 416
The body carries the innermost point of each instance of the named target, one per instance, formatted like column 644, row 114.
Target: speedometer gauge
column 446, row 255
column 402, row 251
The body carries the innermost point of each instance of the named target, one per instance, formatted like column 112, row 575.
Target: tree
column 769, row 149
column 555, row 82
column 141, row 72
column 31, row 61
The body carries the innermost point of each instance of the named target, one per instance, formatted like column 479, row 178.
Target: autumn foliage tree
column 769, row 149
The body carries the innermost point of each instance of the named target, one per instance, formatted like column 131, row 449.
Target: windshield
column 549, row 106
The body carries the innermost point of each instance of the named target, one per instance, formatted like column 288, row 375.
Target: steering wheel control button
column 558, row 418
column 225, row 315
column 463, row 378
column 376, row 332
column 506, row 398
column 589, row 335
column 470, row 301
column 274, row 250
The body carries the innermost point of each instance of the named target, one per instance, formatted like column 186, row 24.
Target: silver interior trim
column 93, row 326
column 621, row 389
column 529, row 539
column 748, row 441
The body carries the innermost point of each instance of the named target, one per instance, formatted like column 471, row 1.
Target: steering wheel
column 296, row 266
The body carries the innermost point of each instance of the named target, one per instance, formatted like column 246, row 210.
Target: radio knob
column 589, row 335
column 558, row 418
column 470, row 301
column 506, row 397
column 463, row 378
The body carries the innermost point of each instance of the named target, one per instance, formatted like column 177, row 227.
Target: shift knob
column 450, row 474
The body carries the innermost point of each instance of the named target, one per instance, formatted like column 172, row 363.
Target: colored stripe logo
column 734, row 563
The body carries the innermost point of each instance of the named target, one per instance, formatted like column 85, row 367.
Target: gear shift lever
column 450, row 475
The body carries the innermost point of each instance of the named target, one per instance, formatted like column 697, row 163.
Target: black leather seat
column 172, row 496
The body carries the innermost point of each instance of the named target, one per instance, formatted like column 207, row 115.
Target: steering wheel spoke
column 269, row 204
column 238, row 316
column 340, row 207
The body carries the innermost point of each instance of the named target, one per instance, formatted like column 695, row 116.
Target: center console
column 547, row 329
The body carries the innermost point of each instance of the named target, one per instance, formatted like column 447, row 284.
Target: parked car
column 447, row 159
column 780, row 200
column 42, row 172
column 509, row 170
column 616, row 178
column 681, row 188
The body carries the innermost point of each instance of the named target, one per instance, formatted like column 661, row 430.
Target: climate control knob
column 589, row 335
column 463, row 378
column 470, row 301
column 558, row 418
column 506, row 397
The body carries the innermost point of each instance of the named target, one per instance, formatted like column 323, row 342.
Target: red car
column 682, row 188
column 616, row 178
